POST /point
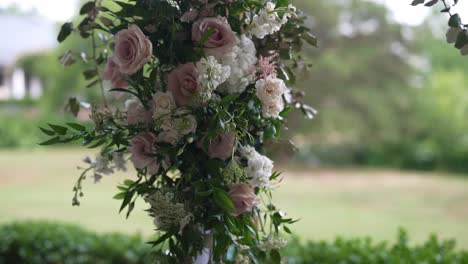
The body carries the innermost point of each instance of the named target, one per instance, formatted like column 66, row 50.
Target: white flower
column 272, row 242
column 452, row 34
column 242, row 60
column 212, row 74
column 186, row 124
column 267, row 21
column 177, row 125
column 120, row 163
column 102, row 165
column 163, row 104
column 169, row 136
column 270, row 88
column 273, row 108
column 259, row 168
column 270, row 92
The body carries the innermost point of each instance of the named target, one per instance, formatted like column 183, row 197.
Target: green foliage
column 44, row 242
column 365, row 251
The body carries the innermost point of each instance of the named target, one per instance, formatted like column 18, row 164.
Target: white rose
column 270, row 88
column 186, row 125
column 163, row 104
column 170, row 136
column 273, row 107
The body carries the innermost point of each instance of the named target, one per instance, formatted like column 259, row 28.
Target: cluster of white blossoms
column 267, row 21
column 166, row 212
column 212, row 74
column 272, row 242
column 103, row 166
column 270, row 91
column 241, row 60
column 259, row 167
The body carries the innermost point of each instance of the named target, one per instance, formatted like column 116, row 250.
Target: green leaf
column 59, row 129
column 455, row 21
column 275, row 256
column 119, row 196
column 270, row 132
column 223, row 200
column 311, row 39
column 89, row 74
column 462, row 39
column 49, row 142
column 77, row 127
column 47, row 132
column 86, row 8
column 285, row 112
column 65, row 31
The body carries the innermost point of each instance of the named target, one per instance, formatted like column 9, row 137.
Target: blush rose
column 221, row 40
column 183, row 84
column 222, row 146
column 243, row 197
column 142, row 146
column 112, row 73
column 132, row 49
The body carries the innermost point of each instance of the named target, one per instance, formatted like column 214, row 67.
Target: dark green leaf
column 65, row 31
column 86, row 8
column 47, row 132
column 223, row 200
column 52, row 141
column 59, row 129
column 77, row 127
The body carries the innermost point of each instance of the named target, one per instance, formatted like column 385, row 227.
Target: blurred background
column 388, row 149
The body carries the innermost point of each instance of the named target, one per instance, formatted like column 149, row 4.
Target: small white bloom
column 212, row 73
column 273, row 108
column 270, row 88
column 119, row 161
column 267, row 21
column 242, row 60
column 270, row 92
column 259, row 167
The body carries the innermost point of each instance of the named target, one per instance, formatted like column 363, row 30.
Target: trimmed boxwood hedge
column 45, row 242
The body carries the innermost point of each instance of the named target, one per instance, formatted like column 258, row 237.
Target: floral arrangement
column 199, row 86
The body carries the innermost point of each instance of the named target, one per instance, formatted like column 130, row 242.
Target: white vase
column 206, row 255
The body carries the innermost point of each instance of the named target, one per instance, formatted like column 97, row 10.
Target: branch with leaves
column 457, row 33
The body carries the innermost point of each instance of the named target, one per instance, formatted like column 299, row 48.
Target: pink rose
column 222, row 146
column 183, row 84
column 142, row 146
column 132, row 49
column 112, row 73
column 137, row 113
column 222, row 39
column 244, row 198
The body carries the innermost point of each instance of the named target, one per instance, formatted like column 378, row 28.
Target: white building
column 22, row 36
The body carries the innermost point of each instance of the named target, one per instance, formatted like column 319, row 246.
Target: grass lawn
column 38, row 184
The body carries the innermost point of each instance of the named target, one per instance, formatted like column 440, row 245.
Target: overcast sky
column 61, row 10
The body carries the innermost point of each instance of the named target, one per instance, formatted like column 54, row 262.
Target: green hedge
column 41, row 242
